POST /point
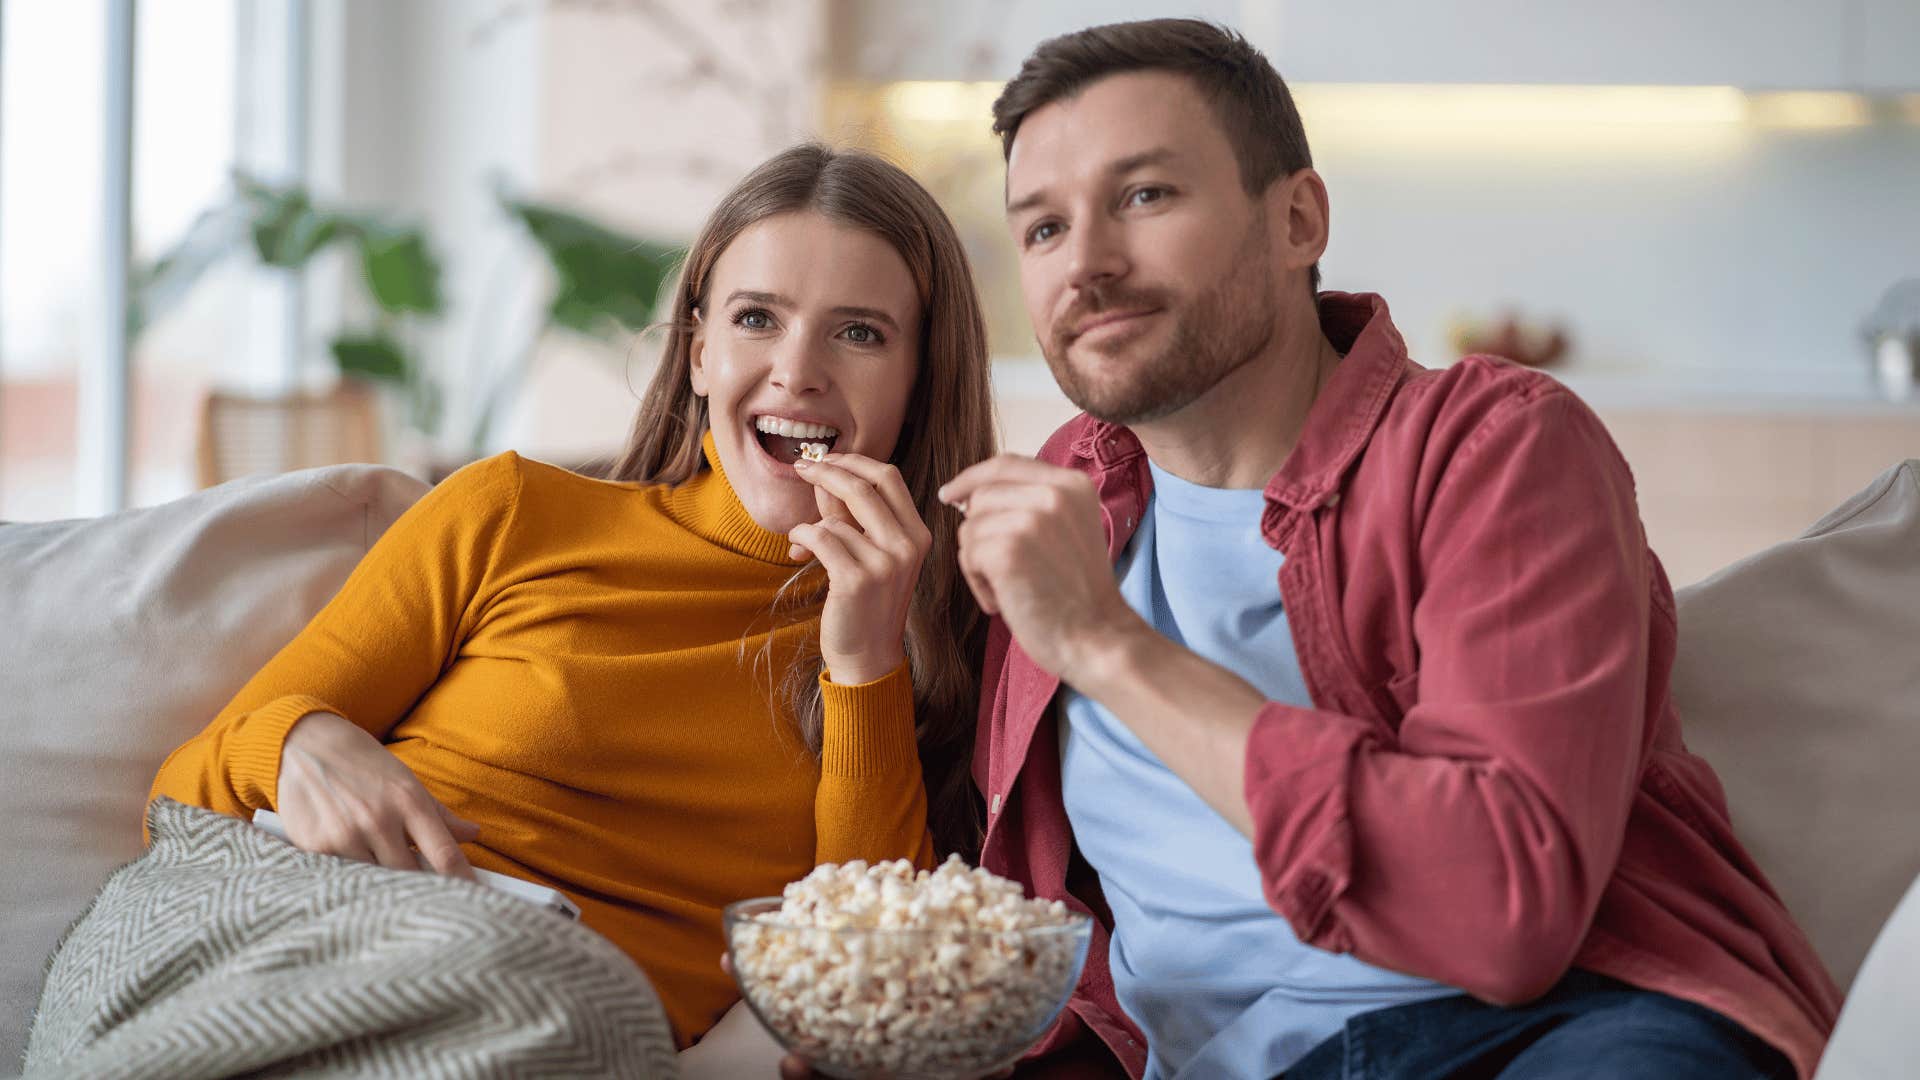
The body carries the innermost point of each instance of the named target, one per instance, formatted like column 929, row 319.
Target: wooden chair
column 242, row 434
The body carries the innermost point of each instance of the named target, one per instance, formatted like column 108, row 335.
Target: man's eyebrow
column 1157, row 156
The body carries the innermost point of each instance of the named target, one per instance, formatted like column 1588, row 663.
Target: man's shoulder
column 1470, row 395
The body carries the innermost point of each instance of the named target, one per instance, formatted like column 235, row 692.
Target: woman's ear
column 696, row 356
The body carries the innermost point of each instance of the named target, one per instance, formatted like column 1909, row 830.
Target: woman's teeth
column 794, row 429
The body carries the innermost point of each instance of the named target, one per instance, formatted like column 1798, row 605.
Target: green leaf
column 401, row 272
column 608, row 282
column 372, row 356
column 286, row 227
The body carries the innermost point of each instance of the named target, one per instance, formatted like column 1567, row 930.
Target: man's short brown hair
column 1248, row 97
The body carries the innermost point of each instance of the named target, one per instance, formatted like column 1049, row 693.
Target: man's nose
column 1095, row 253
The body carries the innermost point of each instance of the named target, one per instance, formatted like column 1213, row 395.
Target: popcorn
column 813, row 451
column 962, row 971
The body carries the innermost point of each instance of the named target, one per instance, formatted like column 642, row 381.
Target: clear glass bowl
column 903, row 1004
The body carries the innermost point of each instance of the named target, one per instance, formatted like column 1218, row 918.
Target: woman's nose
column 799, row 366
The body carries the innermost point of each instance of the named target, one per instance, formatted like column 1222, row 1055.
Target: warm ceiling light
column 1808, row 109
column 942, row 104
column 1467, row 106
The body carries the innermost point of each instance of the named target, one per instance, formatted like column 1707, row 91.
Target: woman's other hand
column 871, row 540
column 342, row 793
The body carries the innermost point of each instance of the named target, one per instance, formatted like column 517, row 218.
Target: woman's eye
column 862, row 334
column 754, row 319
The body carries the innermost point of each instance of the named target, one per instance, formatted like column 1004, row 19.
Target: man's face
column 1147, row 269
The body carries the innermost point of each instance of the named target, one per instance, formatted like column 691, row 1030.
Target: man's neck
column 1239, row 433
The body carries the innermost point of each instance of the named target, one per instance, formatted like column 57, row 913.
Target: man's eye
column 1043, row 232
column 1147, row 195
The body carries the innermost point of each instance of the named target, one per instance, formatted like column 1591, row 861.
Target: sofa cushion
column 1798, row 678
column 124, row 636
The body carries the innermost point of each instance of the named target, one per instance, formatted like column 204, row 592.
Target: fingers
column 886, row 515
column 830, row 504
column 977, row 581
column 794, row 1068
column 834, row 543
column 386, row 836
column 428, row 823
column 1044, row 498
column 463, row 830
column 1002, row 469
column 885, row 479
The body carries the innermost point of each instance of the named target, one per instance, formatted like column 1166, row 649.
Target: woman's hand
column 871, row 540
column 343, row 793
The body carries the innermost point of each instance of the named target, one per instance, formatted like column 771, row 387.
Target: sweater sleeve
column 872, row 801
column 371, row 652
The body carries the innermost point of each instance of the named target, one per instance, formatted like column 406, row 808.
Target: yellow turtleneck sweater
column 569, row 663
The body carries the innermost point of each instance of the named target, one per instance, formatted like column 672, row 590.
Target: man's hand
column 1034, row 552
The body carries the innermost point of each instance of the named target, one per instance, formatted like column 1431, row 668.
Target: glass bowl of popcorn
column 882, row 971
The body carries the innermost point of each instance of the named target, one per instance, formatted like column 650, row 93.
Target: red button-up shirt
column 1491, row 786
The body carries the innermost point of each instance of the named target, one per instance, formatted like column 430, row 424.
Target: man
column 1335, row 688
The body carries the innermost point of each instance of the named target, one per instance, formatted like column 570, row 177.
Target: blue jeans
column 1587, row 1026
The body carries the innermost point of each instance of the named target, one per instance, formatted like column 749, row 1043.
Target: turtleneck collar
column 708, row 506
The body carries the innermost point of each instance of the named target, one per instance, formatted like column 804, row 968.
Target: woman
column 691, row 684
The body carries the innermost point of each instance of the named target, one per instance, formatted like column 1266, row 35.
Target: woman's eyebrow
column 757, row 297
column 869, row 313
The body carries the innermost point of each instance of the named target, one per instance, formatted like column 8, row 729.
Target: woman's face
column 810, row 333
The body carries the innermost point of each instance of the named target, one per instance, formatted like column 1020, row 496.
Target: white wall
column 420, row 109
column 1749, row 258
column 640, row 115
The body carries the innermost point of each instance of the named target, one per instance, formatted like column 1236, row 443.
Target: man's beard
column 1226, row 325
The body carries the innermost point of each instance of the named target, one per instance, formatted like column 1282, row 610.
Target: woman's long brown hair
column 948, row 426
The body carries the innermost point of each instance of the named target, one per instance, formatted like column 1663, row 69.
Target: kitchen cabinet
column 1753, row 44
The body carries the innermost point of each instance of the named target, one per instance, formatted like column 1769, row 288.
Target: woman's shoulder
column 552, row 492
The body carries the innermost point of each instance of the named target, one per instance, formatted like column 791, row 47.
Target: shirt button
column 1331, row 500
column 995, row 808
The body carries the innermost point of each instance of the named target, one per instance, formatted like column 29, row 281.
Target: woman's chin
column 783, row 515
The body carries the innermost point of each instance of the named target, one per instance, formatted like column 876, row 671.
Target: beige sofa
column 1799, row 676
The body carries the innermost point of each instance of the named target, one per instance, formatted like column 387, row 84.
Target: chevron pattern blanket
column 225, row 951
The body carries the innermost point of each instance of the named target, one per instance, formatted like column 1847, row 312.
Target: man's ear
column 1298, row 216
column 696, row 356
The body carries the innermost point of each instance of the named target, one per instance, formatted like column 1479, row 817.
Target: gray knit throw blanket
column 225, row 951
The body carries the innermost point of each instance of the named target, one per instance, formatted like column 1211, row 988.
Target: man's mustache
column 1097, row 299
